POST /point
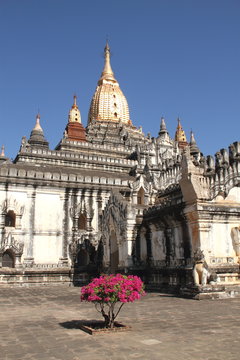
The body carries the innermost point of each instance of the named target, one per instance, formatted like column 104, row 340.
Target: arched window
column 140, row 196
column 10, row 218
column 8, row 259
column 82, row 222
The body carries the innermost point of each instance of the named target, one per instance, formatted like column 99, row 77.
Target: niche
column 10, row 219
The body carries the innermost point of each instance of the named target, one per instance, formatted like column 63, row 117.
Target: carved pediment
column 12, row 204
column 9, row 243
column 83, row 207
column 141, row 182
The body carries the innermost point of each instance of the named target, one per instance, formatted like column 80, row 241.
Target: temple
column 109, row 199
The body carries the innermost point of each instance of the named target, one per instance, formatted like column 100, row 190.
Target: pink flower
column 113, row 288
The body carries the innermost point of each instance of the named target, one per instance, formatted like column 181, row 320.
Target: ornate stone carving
column 12, row 204
column 16, row 247
column 141, row 182
column 116, row 213
column 9, row 243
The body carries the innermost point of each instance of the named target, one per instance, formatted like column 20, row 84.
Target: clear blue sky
column 171, row 57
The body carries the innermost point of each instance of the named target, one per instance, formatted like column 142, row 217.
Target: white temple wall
column 47, row 249
column 48, row 225
column 48, row 213
column 39, row 222
column 221, row 239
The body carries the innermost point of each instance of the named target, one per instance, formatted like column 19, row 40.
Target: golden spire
column 107, row 73
column 180, row 136
column 108, row 102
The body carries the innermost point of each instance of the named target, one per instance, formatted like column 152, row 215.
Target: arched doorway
column 140, row 196
column 8, row 259
column 82, row 257
column 114, row 253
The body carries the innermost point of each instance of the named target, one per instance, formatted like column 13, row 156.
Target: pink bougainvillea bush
column 108, row 290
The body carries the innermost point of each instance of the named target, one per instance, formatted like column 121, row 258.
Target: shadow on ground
column 75, row 324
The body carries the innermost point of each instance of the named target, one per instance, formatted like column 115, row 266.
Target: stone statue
column 200, row 269
column 24, row 143
column 225, row 157
column 219, row 159
column 210, row 163
column 234, row 152
column 235, row 234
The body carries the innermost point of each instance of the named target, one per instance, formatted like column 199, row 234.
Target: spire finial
column 163, row 125
column 37, row 125
column 3, row 151
column 75, row 100
column 179, row 123
column 193, row 145
column 192, row 138
column 107, row 45
column 107, row 73
column 163, row 128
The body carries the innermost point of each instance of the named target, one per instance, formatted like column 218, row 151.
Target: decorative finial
column 107, row 73
column 192, row 138
column 179, row 123
column 3, row 151
column 107, row 46
column 75, row 100
column 193, row 145
column 37, row 125
column 163, row 128
column 163, row 125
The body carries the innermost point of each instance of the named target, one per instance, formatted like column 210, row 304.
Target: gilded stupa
column 180, row 136
column 108, row 103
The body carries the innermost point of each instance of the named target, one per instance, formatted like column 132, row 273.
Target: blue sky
column 172, row 58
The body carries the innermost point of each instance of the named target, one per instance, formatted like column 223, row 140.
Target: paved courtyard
column 42, row 323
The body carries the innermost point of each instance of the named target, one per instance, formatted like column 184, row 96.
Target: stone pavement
column 42, row 323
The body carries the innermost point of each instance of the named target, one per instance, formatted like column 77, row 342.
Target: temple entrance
column 8, row 259
column 82, row 258
column 114, row 253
